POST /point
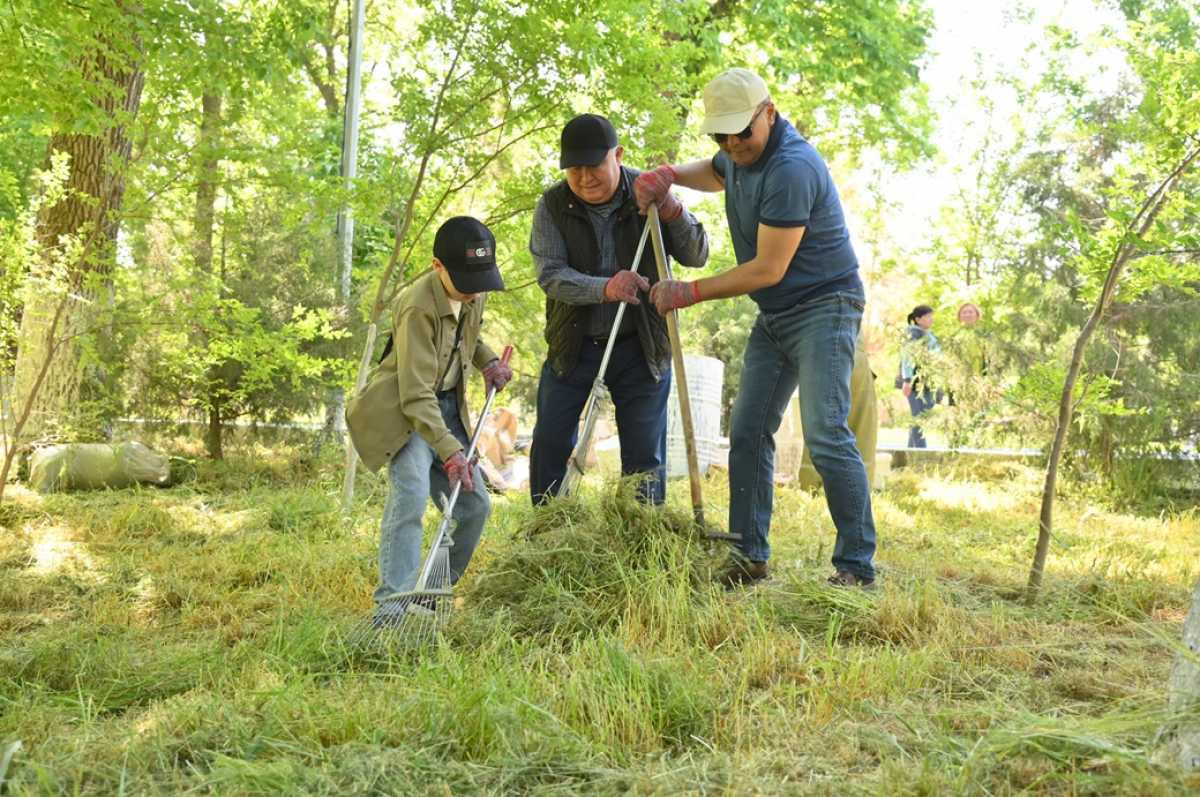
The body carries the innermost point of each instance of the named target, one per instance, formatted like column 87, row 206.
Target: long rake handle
column 576, row 461
column 448, row 509
column 685, row 401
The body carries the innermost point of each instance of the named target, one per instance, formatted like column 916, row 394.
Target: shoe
column 742, row 572
column 844, row 578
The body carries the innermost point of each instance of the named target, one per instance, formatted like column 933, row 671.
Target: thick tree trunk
column 82, row 227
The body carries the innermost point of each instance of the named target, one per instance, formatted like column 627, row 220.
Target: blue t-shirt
column 790, row 186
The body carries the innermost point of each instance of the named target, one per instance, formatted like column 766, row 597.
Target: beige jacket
column 400, row 396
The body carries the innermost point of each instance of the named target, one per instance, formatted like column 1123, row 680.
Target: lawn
column 192, row 639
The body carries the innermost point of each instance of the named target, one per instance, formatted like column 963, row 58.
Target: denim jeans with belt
column 810, row 347
column 641, row 409
column 415, row 473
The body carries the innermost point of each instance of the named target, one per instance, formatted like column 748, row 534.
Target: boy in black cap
column 412, row 415
column 584, row 237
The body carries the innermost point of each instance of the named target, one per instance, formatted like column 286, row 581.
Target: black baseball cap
column 586, row 140
column 467, row 249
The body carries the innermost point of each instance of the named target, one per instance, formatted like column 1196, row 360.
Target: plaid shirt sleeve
column 556, row 276
column 689, row 241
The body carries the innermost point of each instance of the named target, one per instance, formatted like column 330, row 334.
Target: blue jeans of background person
column 641, row 409
column 416, row 474
column 810, row 347
column 920, row 402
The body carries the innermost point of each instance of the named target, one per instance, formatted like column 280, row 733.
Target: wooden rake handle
column 681, row 385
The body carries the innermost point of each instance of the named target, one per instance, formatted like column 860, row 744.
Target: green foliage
column 1043, row 222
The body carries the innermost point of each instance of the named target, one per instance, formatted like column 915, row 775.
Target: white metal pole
column 346, row 226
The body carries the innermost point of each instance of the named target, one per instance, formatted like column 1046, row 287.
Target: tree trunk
column 1185, row 691
column 86, row 218
column 335, row 404
column 203, row 224
column 213, row 438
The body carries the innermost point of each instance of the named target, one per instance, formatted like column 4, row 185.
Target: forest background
column 170, row 189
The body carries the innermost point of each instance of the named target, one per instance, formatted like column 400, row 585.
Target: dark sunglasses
column 745, row 134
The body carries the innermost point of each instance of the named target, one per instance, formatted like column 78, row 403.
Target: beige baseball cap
column 730, row 100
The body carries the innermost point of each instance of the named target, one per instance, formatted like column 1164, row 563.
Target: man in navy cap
column 584, row 237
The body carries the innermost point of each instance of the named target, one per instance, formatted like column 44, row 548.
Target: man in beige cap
column 796, row 262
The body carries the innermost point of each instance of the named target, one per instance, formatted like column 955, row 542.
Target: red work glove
column 496, row 374
column 624, row 286
column 670, row 295
column 654, row 188
column 458, row 469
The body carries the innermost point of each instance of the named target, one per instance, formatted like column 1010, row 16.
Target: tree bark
column 202, row 247
column 1185, row 691
column 88, row 217
column 213, row 439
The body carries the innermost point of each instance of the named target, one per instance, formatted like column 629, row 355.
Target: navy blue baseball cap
column 586, row 140
column 467, row 249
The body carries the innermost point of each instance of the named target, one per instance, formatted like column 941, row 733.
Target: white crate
column 705, row 378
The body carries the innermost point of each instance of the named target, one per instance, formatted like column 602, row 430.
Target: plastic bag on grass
column 94, row 466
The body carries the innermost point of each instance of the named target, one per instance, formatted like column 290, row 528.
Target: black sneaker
column 739, row 572
column 844, row 578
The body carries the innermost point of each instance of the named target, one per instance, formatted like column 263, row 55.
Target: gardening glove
column 496, row 375
column 669, row 295
column 654, row 188
column 459, row 470
column 624, row 286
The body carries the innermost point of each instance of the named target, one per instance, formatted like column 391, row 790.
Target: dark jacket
column 565, row 323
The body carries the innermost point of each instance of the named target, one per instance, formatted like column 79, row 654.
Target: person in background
column 863, row 418
column 971, row 343
column 921, row 398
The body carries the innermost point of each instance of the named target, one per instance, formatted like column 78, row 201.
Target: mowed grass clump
column 190, row 640
column 578, row 565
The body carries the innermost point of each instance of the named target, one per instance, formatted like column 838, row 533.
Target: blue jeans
column 810, row 347
column 920, row 402
column 641, row 409
column 415, row 473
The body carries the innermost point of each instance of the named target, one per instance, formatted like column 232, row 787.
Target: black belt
column 603, row 340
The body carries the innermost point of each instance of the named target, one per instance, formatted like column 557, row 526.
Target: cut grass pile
column 161, row 641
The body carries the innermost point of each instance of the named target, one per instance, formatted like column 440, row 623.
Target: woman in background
column 916, row 389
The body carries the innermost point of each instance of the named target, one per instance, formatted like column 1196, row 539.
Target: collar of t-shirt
column 773, row 140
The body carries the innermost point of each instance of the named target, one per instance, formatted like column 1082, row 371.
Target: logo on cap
column 481, row 251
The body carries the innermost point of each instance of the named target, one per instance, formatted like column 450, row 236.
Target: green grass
column 191, row 639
